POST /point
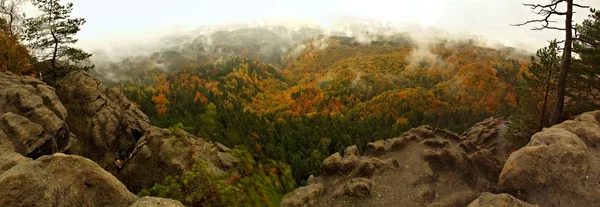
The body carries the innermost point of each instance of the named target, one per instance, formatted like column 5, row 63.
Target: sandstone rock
column 8, row 159
column 586, row 131
column 491, row 134
column 32, row 119
column 422, row 167
column 552, row 157
column 556, row 168
column 163, row 155
column 169, row 153
column 107, row 124
column 303, row 196
column 590, row 117
column 156, row 202
column 358, row 187
column 332, row 164
column 489, row 200
column 62, row 180
column 352, row 150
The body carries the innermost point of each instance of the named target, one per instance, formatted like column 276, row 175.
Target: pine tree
column 541, row 79
column 585, row 81
column 52, row 33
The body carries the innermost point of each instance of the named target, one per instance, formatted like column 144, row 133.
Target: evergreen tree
column 585, row 80
column 539, row 85
column 52, row 33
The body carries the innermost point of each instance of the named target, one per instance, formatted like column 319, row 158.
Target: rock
column 227, row 160
column 358, row 187
column 32, row 119
column 221, row 148
column 156, row 202
column 592, row 117
column 331, row 164
column 422, row 167
column 489, row 200
column 62, row 180
column 168, row 153
column 8, row 159
column 586, row 131
column 352, row 150
column 552, row 157
column 556, row 168
column 491, row 134
column 377, row 147
column 303, row 196
column 107, row 124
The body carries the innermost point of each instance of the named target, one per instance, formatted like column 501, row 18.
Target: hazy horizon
column 118, row 24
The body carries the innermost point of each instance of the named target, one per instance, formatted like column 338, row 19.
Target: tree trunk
column 564, row 68
column 542, row 119
column 54, row 54
column 55, row 44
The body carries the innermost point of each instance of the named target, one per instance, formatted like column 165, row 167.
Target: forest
column 320, row 101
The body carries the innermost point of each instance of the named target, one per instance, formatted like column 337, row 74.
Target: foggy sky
column 122, row 22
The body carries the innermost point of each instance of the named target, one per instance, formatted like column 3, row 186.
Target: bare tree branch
column 581, row 6
column 546, row 11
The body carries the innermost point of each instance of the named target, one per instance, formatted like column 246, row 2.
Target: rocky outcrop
column 106, row 123
column 32, row 118
column 424, row 166
column 62, row 180
column 491, row 134
column 490, row 200
column 172, row 152
column 433, row 167
column 65, row 180
column 559, row 166
column 34, row 122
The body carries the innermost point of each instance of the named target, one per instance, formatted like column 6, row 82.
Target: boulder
column 107, row 124
column 489, row 200
column 62, row 180
column 32, row 119
column 553, row 157
column 559, row 167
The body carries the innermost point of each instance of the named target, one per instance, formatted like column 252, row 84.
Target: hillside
column 427, row 166
column 336, row 92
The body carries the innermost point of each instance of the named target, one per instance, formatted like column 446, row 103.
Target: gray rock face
column 62, row 180
column 32, row 118
column 107, row 124
column 559, row 166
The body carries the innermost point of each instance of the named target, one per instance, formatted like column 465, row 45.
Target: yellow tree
column 14, row 57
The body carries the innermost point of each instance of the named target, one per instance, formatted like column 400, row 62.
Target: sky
column 122, row 22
